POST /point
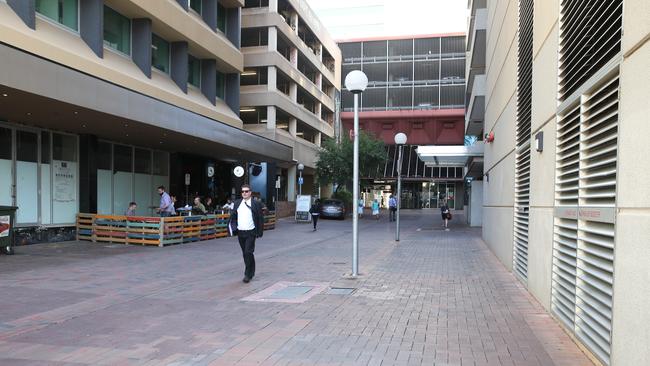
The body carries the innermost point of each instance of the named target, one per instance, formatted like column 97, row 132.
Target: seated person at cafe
column 131, row 210
column 209, row 206
column 198, row 208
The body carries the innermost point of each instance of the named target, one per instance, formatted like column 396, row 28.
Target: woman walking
column 314, row 210
column 375, row 209
column 446, row 215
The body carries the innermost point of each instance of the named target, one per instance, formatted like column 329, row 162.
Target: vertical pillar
column 88, row 173
column 179, row 64
column 293, row 56
column 270, row 117
column 26, row 11
column 292, row 179
column 293, row 91
column 273, row 6
column 318, row 138
column 272, row 43
column 91, row 25
column 232, row 91
column 233, row 26
column 141, row 50
column 319, row 81
column 317, row 109
column 293, row 126
column 319, row 51
column 185, row 4
column 209, row 13
column 209, row 79
column 294, row 22
column 272, row 78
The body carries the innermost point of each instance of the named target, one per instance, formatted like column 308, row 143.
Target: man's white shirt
column 245, row 215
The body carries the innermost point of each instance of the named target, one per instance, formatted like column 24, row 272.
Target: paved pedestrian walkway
column 435, row 298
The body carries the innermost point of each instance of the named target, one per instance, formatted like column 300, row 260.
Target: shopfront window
column 65, row 12
column 160, row 54
column 117, row 31
column 222, row 17
column 64, row 178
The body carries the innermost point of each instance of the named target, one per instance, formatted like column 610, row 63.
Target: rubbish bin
column 7, row 214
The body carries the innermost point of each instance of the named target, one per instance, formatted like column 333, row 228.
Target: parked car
column 333, row 208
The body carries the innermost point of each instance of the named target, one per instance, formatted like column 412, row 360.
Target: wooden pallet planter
column 191, row 229
column 85, row 226
column 172, row 230
column 143, row 230
column 110, row 228
column 221, row 225
column 269, row 221
column 208, row 230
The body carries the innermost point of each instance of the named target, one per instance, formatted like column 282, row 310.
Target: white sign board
column 64, row 181
column 303, row 204
column 187, row 179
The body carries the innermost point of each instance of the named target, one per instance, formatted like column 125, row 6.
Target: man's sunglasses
column 245, row 191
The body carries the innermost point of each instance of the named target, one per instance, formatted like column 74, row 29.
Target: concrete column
column 292, row 180
column 233, row 26
column 232, row 91
column 273, row 6
column 294, row 22
column 141, row 48
column 273, row 39
column 293, row 57
column 179, row 57
column 91, row 25
column 318, row 138
column 209, row 13
column 319, row 107
column 319, row 81
column 270, row 117
column 293, row 91
column 319, row 50
column 26, row 11
column 293, row 126
column 209, row 79
column 88, row 173
column 184, row 4
column 272, row 78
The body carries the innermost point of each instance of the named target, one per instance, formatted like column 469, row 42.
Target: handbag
column 449, row 216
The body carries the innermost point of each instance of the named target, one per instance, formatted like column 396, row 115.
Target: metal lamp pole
column 400, row 140
column 301, row 167
column 356, row 82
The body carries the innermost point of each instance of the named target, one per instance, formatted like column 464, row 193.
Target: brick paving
column 435, row 298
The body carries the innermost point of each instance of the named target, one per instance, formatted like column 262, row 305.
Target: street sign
column 187, row 179
column 301, row 180
column 238, row 171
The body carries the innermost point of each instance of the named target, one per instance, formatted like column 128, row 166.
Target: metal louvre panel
column 567, row 158
column 598, row 150
column 565, row 254
column 523, row 130
column 590, row 36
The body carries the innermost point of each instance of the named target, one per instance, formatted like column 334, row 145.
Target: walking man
column 392, row 208
column 247, row 220
column 166, row 207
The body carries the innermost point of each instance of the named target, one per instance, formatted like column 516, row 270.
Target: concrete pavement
column 434, row 298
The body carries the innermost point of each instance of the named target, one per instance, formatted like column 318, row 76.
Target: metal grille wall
column 590, row 36
column 522, row 154
column 585, row 193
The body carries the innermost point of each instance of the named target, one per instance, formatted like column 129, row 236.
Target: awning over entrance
column 468, row 157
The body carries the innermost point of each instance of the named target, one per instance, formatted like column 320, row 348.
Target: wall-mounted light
column 539, row 141
column 249, row 73
column 247, row 109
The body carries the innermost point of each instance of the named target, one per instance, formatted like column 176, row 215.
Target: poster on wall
column 64, row 182
column 5, row 224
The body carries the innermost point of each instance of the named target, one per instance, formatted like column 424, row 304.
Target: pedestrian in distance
column 446, row 214
column 131, row 210
column 166, row 207
column 360, row 207
column 375, row 209
column 314, row 210
column 247, row 222
column 392, row 208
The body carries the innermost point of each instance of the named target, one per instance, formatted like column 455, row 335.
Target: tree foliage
column 334, row 163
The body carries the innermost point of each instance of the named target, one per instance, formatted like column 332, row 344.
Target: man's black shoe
column 246, row 280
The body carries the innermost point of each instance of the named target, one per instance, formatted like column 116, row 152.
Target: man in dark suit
column 247, row 220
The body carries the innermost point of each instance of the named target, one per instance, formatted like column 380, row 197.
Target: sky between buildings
column 350, row 19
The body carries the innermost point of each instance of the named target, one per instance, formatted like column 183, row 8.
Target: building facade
column 289, row 86
column 416, row 85
column 565, row 206
column 101, row 101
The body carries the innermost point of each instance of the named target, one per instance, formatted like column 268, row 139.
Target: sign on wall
column 65, row 187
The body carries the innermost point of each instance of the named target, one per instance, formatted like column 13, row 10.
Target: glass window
column 196, row 5
column 160, row 163
column 61, row 11
column 194, row 71
column 104, row 155
column 221, row 85
column 26, row 146
column 122, row 158
column 142, row 161
column 160, row 53
column 221, row 18
column 5, row 143
column 45, row 147
column 117, row 31
column 64, row 147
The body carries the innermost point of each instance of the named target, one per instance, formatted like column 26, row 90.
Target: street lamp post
column 301, row 167
column 400, row 140
column 356, row 82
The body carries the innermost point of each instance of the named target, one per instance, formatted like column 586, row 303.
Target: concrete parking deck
column 435, row 298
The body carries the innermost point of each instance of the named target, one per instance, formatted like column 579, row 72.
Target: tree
column 334, row 163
